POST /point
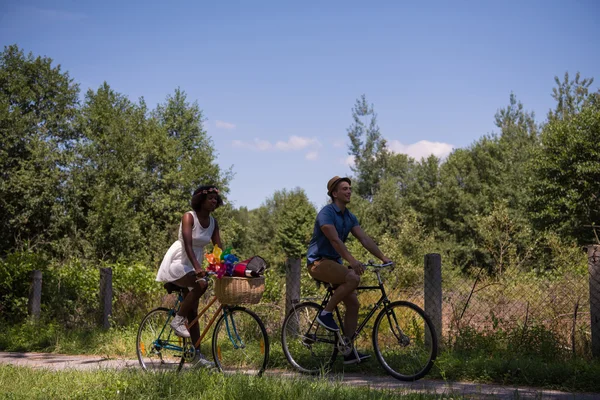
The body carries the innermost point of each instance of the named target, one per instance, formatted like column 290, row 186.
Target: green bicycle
column 239, row 342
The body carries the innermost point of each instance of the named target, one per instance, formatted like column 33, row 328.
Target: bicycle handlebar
column 205, row 277
column 372, row 264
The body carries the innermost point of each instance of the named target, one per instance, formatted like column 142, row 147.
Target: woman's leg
column 189, row 305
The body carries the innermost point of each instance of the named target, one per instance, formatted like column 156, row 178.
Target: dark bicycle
column 404, row 338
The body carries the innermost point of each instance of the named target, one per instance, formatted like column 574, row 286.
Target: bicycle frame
column 383, row 300
column 234, row 337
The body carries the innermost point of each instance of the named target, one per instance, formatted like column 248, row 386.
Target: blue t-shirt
column 320, row 246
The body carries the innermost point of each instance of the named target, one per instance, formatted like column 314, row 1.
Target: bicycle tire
column 409, row 354
column 234, row 330
column 157, row 346
column 300, row 335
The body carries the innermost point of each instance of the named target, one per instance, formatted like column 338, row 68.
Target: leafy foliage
column 567, row 170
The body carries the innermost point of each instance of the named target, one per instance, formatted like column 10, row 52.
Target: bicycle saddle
column 171, row 287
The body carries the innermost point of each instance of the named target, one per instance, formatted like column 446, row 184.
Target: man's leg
column 337, row 274
column 350, row 324
column 345, row 288
column 351, row 317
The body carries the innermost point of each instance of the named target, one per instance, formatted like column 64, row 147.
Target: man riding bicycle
column 326, row 253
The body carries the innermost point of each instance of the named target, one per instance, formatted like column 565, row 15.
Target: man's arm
column 339, row 246
column 368, row 243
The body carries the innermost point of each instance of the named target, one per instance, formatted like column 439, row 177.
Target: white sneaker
column 178, row 326
column 201, row 361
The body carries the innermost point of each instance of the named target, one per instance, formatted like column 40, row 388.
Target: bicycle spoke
column 240, row 342
column 307, row 346
column 158, row 348
column 404, row 341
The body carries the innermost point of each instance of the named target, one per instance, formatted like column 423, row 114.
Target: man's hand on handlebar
column 371, row 263
column 357, row 267
column 386, row 260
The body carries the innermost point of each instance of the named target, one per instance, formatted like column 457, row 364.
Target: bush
column 70, row 289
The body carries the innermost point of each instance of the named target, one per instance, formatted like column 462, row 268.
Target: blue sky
column 277, row 80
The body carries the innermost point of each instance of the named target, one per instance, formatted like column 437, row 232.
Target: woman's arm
column 216, row 236
column 187, row 223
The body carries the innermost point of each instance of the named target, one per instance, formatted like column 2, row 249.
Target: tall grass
column 25, row 383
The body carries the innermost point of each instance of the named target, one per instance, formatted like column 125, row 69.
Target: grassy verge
column 576, row 375
column 21, row 383
column 503, row 367
column 50, row 337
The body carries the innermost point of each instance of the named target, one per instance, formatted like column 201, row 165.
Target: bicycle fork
column 237, row 339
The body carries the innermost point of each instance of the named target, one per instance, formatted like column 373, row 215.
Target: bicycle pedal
column 309, row 339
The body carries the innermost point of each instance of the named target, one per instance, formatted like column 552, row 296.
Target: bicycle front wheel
column 308, row 346
column 240, row 342
column 157, row 346
column 404, row 340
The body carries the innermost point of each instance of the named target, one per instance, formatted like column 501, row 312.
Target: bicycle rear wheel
column 308, row 346
column 157, row 346
column 240, row 342
column 404, row 340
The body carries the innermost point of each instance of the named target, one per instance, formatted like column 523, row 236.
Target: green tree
column 566, row 191
column 294, row 219
column 493, row 169
column 38, row 103
column 282, row 226
column 570, row 95
column 107, row 177
column 135, row 174
column 368, row 148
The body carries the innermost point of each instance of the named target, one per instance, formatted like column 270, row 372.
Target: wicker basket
column 234, row 290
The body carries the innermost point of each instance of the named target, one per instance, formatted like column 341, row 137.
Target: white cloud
column 339, row 143
column 224, row 125
column 294, row 143
column 348, row 161
column 297, row 143
column 422, row 148
column 313, row 155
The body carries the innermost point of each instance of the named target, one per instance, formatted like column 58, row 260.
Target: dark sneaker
column 327, row 322
column 351, row 358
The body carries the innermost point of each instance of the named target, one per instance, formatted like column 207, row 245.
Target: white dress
column 176, row 264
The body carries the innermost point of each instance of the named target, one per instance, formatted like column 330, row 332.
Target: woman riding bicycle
column 182, row 264
column 326, row 251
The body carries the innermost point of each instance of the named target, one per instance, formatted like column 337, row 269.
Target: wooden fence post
column 594, row 277
column 433, row 291
column 106, row 296
column 34, row 305
column 292, row 282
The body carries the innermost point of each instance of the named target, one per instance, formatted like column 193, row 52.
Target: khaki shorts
column 329, row 271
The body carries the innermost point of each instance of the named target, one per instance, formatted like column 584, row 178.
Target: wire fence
column 558, row 306
column 529, row 310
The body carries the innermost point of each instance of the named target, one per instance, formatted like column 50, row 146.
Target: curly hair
column 200, row 195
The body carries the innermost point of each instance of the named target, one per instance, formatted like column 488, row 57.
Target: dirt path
column 471, row 390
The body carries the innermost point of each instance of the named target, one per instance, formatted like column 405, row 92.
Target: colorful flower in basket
column 222, row 262
column 230, row 261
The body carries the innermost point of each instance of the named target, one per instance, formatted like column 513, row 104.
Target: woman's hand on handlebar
column 201, row 273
